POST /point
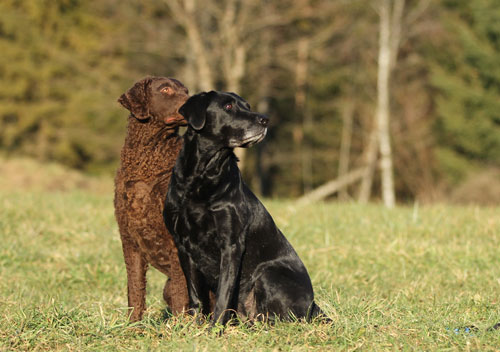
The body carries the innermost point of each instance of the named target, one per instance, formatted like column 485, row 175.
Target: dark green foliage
column 467, row 76
column 60, row 76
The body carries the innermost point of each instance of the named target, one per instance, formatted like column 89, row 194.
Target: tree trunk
column 383, row 115
column 233, row 58
column 261, row 181
column 190, row 77
column 345, row 144
column 301, row 108
column 185, row 15
column 371, row 154
column 235, row 74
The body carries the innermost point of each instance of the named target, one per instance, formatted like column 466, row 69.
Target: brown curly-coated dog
column 147, row 158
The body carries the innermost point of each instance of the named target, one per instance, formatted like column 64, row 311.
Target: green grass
column 400, row 279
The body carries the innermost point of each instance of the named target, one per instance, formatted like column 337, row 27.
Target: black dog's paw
column 167, row 314
column 201, row 319
column 216, row 329
column 316, row 315
column 494, row 327
column 198, row 316
column 323, row 319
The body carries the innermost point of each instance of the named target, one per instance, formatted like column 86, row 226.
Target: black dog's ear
column 136, row 99
column 194, row 109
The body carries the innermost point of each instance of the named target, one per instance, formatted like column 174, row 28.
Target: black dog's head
column 225, row 118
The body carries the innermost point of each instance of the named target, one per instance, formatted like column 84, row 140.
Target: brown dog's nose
column 263, row 120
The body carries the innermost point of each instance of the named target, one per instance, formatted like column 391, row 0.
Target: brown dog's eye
column 228, row 107
column 167, row 90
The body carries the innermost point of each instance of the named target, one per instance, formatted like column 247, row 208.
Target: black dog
column 227, row 241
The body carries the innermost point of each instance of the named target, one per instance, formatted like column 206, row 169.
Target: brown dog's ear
column 136, row 99
column 194, row 109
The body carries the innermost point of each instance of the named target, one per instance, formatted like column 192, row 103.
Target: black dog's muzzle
column 263, row 120
column 254, row 134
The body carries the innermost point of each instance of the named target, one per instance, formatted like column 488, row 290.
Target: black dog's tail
column 316, row 312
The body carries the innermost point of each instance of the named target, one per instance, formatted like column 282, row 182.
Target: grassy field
column 405, row 279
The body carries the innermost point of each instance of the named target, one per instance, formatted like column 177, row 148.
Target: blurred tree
column 219, row 35
column 60, row 74
column 466, row 75
column 390, row 13
column 310, row 64
column 395, row 20
column 306, row 93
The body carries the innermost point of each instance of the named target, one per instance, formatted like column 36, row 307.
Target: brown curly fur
column 147, row 159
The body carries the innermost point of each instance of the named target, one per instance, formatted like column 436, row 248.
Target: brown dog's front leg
column 136, row 279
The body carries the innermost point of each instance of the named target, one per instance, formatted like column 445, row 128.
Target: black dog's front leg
column 198, row 295
column 230, row 231
column 229, row 272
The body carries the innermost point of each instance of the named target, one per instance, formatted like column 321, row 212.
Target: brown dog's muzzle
column 175, row 120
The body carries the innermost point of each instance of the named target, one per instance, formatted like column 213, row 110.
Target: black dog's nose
column 263, row 120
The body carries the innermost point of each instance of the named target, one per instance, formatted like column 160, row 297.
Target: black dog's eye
column 228, row 106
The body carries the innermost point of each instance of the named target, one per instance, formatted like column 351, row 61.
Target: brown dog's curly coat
column 147, row 159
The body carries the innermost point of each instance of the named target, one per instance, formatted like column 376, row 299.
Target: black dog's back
column 227, row 241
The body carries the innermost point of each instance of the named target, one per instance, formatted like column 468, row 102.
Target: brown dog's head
column 158, row 98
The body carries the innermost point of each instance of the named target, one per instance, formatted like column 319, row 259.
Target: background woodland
column 402, row 97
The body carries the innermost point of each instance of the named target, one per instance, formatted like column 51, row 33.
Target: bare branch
column 396, row 30
column 418, row 11
column 331, row 187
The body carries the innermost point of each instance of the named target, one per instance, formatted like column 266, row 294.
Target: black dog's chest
column 196, row 231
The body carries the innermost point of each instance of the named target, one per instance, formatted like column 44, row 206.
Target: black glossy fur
column 227, row 241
